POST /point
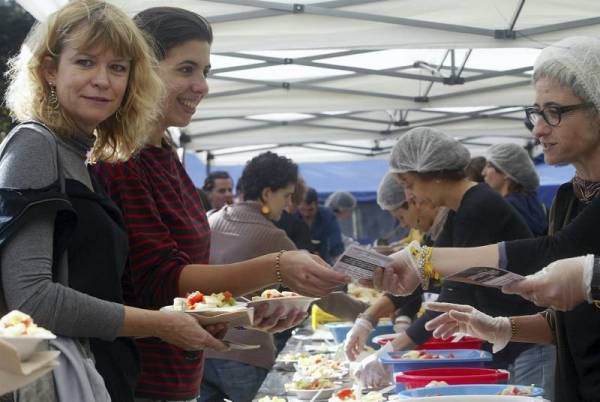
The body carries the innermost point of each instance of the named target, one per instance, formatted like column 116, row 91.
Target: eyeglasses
column 552, row 115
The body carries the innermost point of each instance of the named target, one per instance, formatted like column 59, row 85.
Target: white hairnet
column 578, row 55
column 390, row 194
column 425, row 149
column 514, row 161
column 340, row 200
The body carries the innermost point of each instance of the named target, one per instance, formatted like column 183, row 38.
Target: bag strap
column 60, row 275
column 60, row 175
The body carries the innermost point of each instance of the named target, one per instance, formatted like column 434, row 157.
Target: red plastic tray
column 453, row 376
column 467, row 342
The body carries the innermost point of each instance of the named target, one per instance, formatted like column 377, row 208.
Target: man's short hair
column 209, row 182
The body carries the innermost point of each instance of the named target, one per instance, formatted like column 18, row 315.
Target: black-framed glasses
column 552, row 115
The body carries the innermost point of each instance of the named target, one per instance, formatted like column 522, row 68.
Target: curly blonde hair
column 91, row 23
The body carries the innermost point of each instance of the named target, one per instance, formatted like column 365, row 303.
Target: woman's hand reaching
column 309, row 275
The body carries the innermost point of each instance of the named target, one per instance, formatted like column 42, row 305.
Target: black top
column 97, row 255
column 297, row 230
column 483, row 217
column 574, row 231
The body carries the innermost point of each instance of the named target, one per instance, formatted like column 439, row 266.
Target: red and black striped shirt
column 168, row 230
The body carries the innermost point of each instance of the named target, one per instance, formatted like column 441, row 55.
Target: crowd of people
column 107, row 227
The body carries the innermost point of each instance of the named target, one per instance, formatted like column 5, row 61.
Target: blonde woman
column 86, row 80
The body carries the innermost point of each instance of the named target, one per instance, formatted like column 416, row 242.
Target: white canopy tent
column 341, row 79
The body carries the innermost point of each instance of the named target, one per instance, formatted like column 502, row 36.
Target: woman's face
column 577, row 136
column 426, row 214
column 493, row 177
column 408, row 213
column 184, row 72
column 421, row 190
column 90, row 83
column 277, row 200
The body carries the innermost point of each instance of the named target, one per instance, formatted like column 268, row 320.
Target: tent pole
column 209, row 158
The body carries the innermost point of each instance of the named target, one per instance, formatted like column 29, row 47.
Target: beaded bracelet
column 278, row 267
column 415, row 250
column 431, row 273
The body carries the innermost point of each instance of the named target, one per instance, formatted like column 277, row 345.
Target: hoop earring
column 118, row 115
column 52, row 100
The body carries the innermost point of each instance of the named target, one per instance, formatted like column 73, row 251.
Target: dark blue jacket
column 531, row 210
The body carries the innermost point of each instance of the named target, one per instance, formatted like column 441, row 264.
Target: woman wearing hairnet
column 566, row 119
column 510, row 171
column 430, row 164
column 428, row 220
column 342, row 203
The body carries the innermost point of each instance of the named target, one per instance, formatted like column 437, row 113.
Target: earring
column 118, row 115
column 52, row 100
column 265, row 210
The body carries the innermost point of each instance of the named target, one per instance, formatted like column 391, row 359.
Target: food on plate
column 436, row 384
column 293, row 356
column 348, row 394
column 310, row 384
column 272, row 399
column 320, row 366
column 512, row 390
column 419, row 354
column 17, row 323
column 198, row 300
column 364, row 294
column 273, row 294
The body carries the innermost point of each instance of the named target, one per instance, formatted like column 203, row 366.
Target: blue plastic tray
column 462, row 358
column 484, row 389
column 340, row 329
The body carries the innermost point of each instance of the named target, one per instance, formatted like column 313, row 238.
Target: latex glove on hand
column 561, row 285
column 469, row 320
column 357, row 338
column 371, row 372
column 401, row 277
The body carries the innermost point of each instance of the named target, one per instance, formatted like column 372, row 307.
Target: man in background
column 325, row 231
column 218, row 187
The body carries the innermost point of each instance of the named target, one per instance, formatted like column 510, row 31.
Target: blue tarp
column 361, row 178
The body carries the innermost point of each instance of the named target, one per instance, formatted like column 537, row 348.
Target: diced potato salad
column 17, row 323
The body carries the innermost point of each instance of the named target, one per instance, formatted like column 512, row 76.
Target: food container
column 385, row 338
column 26, row 346
column 467, row 342
column 452, row 376
column 448, row 358
column 476, row 398
column 341, row 329
column 476, row 389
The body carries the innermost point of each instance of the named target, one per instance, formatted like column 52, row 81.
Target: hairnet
column 425, row 149
column 390, row 194
column 579, row 56
column 514, row 161
column 340, row 200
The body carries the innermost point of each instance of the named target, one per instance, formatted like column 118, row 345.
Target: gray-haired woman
column 510, row 171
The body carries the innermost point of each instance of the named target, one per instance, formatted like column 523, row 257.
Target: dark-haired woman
column 430, row 165
column 168, row 232
column 239, row 232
